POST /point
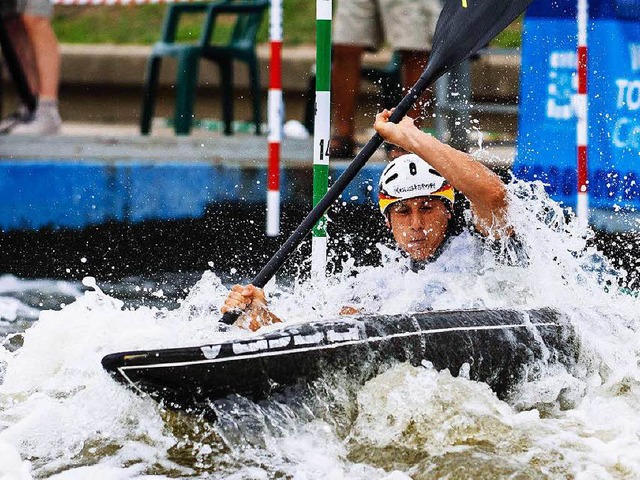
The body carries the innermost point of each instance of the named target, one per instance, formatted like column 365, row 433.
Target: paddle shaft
column 278, row 259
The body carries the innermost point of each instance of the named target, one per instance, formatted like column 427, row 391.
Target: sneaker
column 20, row 116
column 45, row 122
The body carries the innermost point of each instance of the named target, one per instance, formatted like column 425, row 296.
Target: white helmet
column 409, row 176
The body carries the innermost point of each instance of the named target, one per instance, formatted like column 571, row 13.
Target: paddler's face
column 419, row 225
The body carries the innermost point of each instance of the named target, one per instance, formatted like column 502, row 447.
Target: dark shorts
column 8, row 8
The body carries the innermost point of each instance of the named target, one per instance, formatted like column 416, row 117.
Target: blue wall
column 69, row 194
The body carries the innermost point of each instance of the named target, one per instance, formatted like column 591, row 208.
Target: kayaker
column 417, row 196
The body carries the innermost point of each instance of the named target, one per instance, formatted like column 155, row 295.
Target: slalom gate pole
column 275, row 119
column 581, row 104
column 321, row 133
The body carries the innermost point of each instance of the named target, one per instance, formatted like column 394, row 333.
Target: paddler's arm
column 252, row 302
column 484, row 189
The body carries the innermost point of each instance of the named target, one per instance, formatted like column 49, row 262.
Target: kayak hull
column 501, row 347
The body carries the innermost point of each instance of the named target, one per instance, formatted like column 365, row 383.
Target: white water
column 62, row 417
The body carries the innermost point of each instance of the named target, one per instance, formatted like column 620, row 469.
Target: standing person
column 406, row 25
column 35, row 42
column 416, row 197
column 11, row 22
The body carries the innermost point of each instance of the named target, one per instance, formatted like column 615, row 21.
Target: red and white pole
column 581, row 106
column 275, row 119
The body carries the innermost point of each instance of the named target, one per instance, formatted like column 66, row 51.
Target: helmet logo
column 424, row 187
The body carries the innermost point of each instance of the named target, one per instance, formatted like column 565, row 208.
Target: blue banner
column 547, row 130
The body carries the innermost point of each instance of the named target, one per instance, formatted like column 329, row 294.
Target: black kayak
column 502, row 348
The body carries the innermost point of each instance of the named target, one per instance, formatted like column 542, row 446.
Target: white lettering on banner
column 634, row 52
column 626, row 131
column 628, row 94
column 559, row 112
column 626, row 134
column 562, row 86
column 563, row 59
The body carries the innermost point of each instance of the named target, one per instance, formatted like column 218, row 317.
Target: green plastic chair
column 241, row 46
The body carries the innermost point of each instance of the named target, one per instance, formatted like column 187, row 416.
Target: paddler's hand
column 400, row 134
column 252, row 303
column 240, row 297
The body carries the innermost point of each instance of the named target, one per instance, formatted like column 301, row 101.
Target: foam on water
column 62, row 416
column 23, row 299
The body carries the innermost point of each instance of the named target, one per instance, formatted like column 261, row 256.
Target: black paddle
column 464, row 26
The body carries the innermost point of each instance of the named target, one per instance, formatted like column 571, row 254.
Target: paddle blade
column 464, row 27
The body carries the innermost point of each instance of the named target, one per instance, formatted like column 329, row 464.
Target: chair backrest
column 175, row 11
column 249, row 15
column 246, row 27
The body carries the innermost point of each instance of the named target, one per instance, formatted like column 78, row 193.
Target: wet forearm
column 463, row 172
column 484, row 189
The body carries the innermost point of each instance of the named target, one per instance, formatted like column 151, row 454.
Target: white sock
column 49, row 106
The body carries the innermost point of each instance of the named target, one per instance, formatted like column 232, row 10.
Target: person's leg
column 356, row 28
column 36, row 16
column 413, row 64
column 345, row 85
column 43, row 40
column 409, row 27
column 47, row 54
column 20, row 41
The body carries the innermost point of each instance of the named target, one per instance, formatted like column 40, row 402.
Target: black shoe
column 20, row 116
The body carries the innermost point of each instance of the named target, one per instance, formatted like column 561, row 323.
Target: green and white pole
column 321, row 133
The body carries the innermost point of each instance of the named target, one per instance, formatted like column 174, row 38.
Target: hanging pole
column 275, row 120
column 321, row 132
column 581, row 114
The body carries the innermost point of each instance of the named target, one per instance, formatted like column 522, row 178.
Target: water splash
column 61, row 416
